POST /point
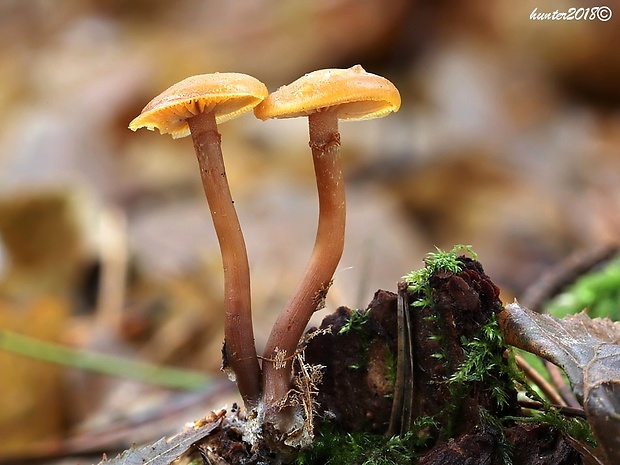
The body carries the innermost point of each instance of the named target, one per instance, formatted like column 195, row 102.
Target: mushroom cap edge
column 227, row 94
column 353, row 93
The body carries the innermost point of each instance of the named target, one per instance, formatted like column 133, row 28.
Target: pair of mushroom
column 195, row 106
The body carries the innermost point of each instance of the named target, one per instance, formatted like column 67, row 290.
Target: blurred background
column 508, row 139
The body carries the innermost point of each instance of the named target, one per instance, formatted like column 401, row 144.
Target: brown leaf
column 588, row 350
column 166, row 450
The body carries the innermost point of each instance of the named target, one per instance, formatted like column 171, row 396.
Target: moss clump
column 470, row 395
column 335, row 448
column 418, row 281
column 483, row 359
column 356, row 321
column 573, row 427
column 485, row 365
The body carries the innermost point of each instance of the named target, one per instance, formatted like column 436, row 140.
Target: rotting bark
column 356, row 389
column 462, row 303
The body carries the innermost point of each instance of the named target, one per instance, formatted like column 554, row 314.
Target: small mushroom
column 324, row 96
column 195, row 106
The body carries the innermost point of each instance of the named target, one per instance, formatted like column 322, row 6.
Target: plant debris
column 588, row 350
column 463, row 404
column 165, row 450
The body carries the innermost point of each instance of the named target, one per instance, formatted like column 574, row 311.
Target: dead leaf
column 588, row 350
column 164, row 451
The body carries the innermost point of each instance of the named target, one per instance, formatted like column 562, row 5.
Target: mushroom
column 324, row 96
column 195, row 106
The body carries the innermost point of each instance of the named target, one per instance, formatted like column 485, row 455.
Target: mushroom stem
column 239, row 349
column 328, row 247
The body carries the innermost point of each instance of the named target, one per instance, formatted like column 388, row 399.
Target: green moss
column 334, row 448
column 417, row 281
column 504, row 449
column 356, row 321
column 574, row 427
column 598, row 292
column 485, row 363
column 357, row 324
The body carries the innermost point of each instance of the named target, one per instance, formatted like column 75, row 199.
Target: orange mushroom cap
column 227, row 94
column 353, row 93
